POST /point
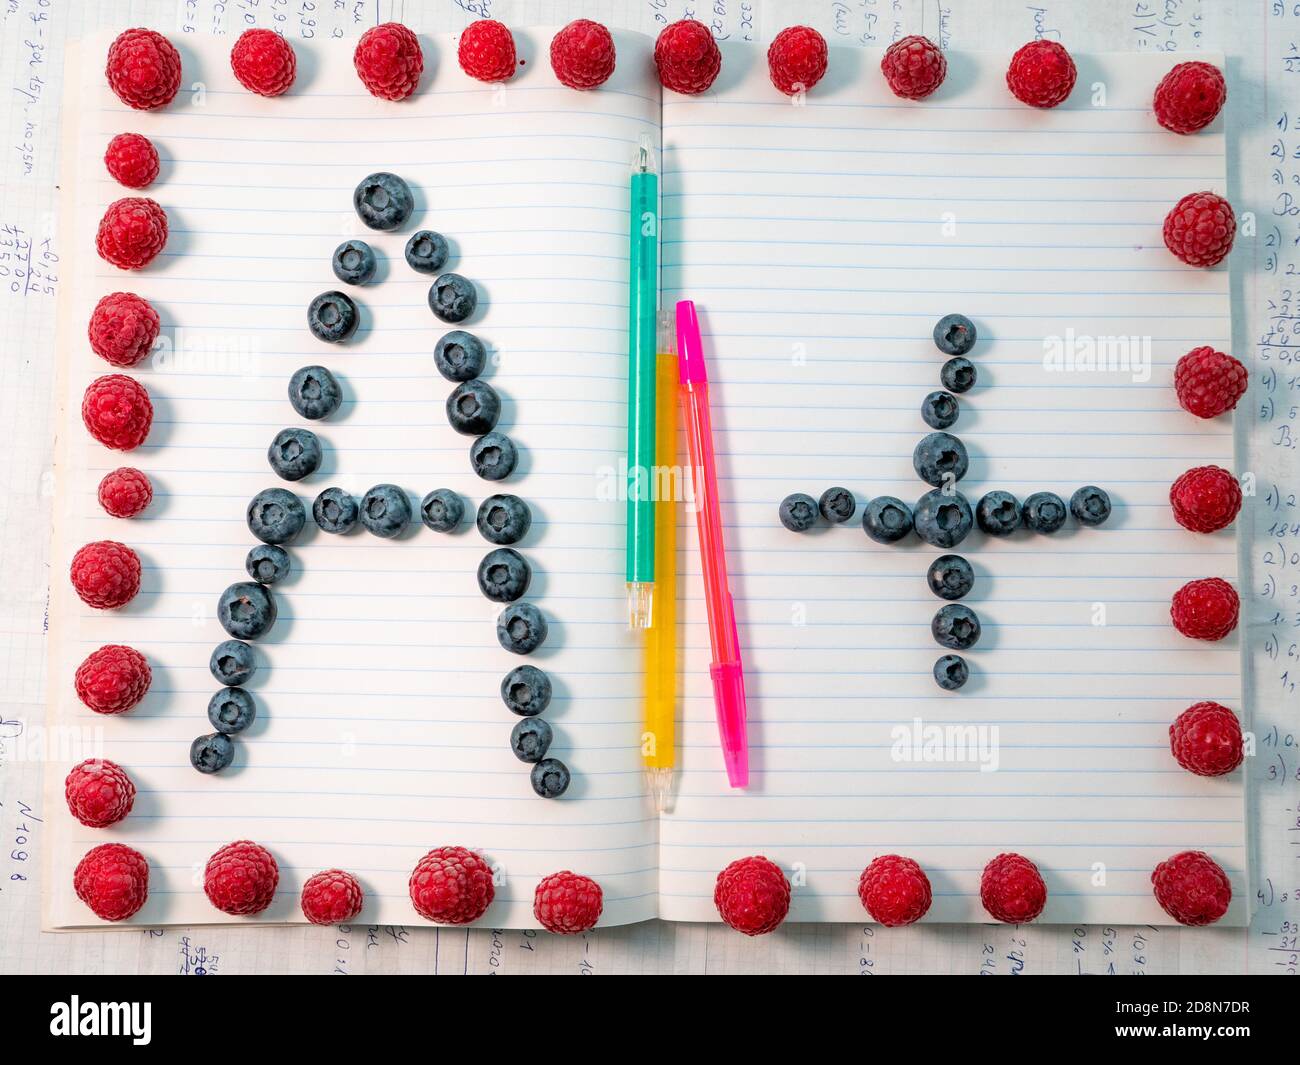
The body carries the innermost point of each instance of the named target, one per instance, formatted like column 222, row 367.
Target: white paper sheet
column 381, row 733
column 366, row 745
column 822, row 238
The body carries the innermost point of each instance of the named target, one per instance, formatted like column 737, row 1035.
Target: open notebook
column 821, row 243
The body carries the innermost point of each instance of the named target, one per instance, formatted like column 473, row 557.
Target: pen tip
column 640, row 605
column 645, row 159
column 660, row 784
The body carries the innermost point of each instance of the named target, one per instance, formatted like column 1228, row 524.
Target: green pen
column 642, row 318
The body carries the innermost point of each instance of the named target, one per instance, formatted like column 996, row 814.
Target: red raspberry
column 132, row 160
column 1012, row 889
column 117, row 411
column 1192, row 888
column 1205, row 609
column 914, row 67
column 113, row 679
column 123, row 328
column 331, row 897
column 451, row 885
column 124, row 492
column 894, row 890
column 1205, row 499
column 1206, row 740
column 796, row 59
column 241, row 878
column 1199, row 229
column 1041, row 74
column 113, row 880
column 144, row 69
column 132, row 232
column 582, row 54
column 687, row 57
column 106, row 574
column 1189, row 97
column 99, row 793
column 389, row 61
column 566, row 903
column 263, row 62
column 487, row 51
column 1208, row 382
column 752, row 895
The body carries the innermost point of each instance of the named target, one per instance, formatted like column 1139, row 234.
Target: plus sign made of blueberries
column 247, row 609
column 943, row 517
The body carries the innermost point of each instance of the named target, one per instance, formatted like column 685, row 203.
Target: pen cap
column 690, row 351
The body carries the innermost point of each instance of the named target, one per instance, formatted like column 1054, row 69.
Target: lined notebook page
column 822, row 243
column 381, row 733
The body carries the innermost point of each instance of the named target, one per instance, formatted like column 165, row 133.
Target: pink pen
column 727, row 673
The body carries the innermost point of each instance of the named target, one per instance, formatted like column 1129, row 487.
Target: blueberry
column 314, row 393
column 426, row 251
column 459, row 356
column 335, row 511
column 943, row 520
column 998, row 513
column 798, row 512
column 958, row 375
column 383, row 201
column 232, row 662
column 473, row 408
column 452, row 298
column 526, row 691
column 1090, row 505
column 231, row 710
column 550, row 778
column 956, row 627
column 954, row 334
column 385, row 510
column 267, row 564
column 275, row 516
column 211, row 754
column 521, row 628
column 939, row 459
column 837, row 505
column 939, row 410
column 332, row 317
column 1043, row 512
column 503, row 575
column 951, row 672
column 493, row 456
column 442, row 510
column 504, row 519
column 294, row 454
column 950, row 576
column 354, row 262
column 246, row 610
column 530, row 739
column 886, row 519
